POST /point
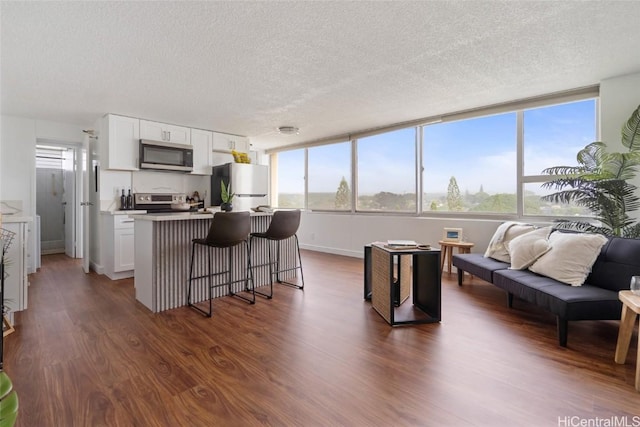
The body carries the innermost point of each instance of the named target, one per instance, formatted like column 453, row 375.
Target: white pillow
column 570, row 258
column 506, row 232
column 527, row 248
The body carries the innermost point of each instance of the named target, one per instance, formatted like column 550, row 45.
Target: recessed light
column 288, row 130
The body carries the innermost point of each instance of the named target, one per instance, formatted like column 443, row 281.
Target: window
column 329, row 173
column 470, row 165
column 475, row 163
column 387, row 172
column 290, row 174
column 553, row 135
column 49, row 157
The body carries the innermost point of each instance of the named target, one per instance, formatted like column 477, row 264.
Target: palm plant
column 600, row 183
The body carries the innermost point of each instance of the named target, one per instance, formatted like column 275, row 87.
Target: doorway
column 58, row 190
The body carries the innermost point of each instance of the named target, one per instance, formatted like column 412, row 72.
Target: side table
column 447, row 252
column 421, row 278
column 630, row 311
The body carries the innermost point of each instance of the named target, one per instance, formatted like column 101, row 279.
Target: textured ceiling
column 328, row 68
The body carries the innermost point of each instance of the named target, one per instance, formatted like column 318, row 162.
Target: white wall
column 346, row 234
column 619, row 97
column 18, row 161
column 18, row 165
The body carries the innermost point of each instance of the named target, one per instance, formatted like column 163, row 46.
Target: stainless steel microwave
column 165, row 156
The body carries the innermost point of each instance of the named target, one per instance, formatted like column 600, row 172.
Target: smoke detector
column 288, row 130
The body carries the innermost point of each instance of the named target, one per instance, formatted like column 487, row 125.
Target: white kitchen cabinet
column 119, row 142
column 119, row 251
column 201, row 141
column 16, row 283
column 157, row 131
column 226, row 142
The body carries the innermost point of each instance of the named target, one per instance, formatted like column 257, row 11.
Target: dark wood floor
column 87, row 354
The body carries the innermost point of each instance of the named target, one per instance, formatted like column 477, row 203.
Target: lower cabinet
column 119, row 255
column 16, row 282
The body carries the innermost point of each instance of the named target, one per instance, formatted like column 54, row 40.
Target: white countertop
column 15, row 218
column 181, row 216
column 131, row 212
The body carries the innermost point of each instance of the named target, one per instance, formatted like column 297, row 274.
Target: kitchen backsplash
column 153, row 182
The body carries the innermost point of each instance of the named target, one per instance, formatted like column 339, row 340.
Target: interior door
column 68, row 202
column 86, row 204
column 77, row 206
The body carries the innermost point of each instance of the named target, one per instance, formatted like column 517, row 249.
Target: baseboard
column 335, row 251
column 95, row 267
column 120, row 275
column 52, row 251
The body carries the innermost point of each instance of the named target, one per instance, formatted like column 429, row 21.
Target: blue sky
column 479, row 151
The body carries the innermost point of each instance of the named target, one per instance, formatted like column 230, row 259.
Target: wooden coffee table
column 447, row 252
column 630, row 311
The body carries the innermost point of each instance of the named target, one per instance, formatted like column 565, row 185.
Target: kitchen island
column 163, row 254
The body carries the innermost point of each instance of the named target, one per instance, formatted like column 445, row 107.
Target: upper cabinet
column 225, row 142
column 164, row 132
column 119, row 147
column 120, row 143
column 202, row 141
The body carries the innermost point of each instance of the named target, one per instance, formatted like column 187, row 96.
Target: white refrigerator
column 249, row 183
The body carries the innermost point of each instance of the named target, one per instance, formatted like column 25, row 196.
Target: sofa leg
column 563, row 326
column 460, row 277
column 509, row 300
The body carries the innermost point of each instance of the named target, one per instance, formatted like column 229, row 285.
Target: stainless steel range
column 157, row 202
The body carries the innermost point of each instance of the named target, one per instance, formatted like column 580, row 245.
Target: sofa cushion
column 617, row 262
column 572, row 303
column 525, row 249
column 478, row 265
column 570, row 258
column 497, row 248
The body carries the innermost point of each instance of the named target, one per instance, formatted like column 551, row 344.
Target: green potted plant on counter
column 227, row 197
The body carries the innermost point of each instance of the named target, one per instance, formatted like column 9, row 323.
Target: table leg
column 638, row 366
column 628, row 318
column 443, row 254
column 449, row 260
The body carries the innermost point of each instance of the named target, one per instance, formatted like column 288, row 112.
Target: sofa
column 595, row 299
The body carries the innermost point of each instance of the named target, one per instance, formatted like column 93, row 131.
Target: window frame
column 518, row 107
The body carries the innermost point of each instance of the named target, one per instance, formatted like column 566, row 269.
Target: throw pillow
column 527, row 248
column 506, row 232
column 570, row 258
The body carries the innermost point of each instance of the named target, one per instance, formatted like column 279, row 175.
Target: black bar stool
column 284, row 224
column 227, row 230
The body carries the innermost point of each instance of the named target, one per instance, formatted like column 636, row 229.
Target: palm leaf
column 590, row 157
column 582, row 226
column 632, row 231
column 622, row 165
column 631, row 131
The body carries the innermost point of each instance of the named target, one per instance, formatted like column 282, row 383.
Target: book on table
column 401, row 244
